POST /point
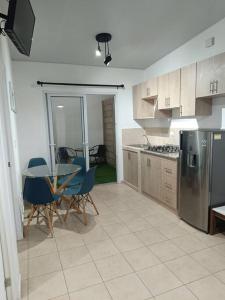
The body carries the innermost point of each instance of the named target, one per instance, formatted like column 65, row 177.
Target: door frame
column 78, row 92
column 84, row 124
column 9, row 214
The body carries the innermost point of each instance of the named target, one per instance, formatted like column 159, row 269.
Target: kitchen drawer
column 169, row 198
column 169, row 183
column 169, row 168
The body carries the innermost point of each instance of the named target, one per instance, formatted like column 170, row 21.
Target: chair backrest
column 81, row 161
column 63, row 155
column 89, row 181
column 101, row 150
column 37, row 161
column 37, row 191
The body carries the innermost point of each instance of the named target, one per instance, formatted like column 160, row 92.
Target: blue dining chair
column 79, row 177
column 37, row 161
column 80, row 195
column 38, row 193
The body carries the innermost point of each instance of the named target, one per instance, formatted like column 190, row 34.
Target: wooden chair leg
column 54, row 207
column 48, row 220
column 68, row 209
column 34, row 208
column 92, row 202
column 84, row 210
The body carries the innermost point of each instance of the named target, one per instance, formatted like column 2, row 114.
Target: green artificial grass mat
column 105, row 173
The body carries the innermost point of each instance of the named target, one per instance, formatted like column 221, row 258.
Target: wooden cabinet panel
column 150, row 88
column 174, row 89
column 188, row 85
column 219, row 74
column 190, row 106
column 163, row 91
column 150, row 175
column 169, row 198
column 169, row 182
column 137, row 101
column 130, row 167
column 169, row 90
column 205, row 76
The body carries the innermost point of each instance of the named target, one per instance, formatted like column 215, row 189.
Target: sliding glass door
column 68, row 134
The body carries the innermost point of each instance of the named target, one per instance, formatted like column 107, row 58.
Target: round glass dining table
column 69, row 170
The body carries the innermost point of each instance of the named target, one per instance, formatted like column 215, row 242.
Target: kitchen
column 182, row 169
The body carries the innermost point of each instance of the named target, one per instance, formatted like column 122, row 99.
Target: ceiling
column 142, row 31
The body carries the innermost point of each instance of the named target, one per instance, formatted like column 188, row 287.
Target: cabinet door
column 137, row 90
column 150, row 88
column 130, row 167
column 174, row 89
column 125, row 166
column 188, row 85
column 163, row 92
column 219, row 77
column 133, row 168
column 205, row 75
column 150, row 175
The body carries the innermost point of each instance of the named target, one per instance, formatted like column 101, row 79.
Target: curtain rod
column 41, row 83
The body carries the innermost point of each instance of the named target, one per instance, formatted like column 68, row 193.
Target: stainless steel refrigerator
column 202, row 175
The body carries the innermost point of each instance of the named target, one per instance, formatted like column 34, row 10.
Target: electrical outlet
column 210, row 42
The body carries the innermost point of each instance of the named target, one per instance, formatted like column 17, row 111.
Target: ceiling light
column 98, row 52
column 107, row 59
column 60, row 106
column 104, row 38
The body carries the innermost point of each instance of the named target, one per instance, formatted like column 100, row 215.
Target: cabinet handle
column 148, row 92
column 169, row 186
column 211, row 87
column 167, row 101
column 168, row 171
column 215, row 86
column 148, row 162
column 181, row 110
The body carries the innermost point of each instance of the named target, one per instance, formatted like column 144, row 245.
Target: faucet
column 148, row 143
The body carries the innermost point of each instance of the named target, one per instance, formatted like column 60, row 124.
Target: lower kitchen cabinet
column 159, row 178
column 150, row 175
column 169, row 182
column 130, row 167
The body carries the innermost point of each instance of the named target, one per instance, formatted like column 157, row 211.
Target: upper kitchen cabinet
column 169, row 90
column 150, row 88
column 137, row 107
column 145, row 104
column 141, row 109
column 189, row 105
column 211, row 76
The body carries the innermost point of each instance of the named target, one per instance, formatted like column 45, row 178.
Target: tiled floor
column 134, row 250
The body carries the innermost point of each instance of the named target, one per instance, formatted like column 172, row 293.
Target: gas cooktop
column 164, row 148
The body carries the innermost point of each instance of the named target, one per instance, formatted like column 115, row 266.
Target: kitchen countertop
column 174, row 156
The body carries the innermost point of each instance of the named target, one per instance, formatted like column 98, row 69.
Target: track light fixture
column 104, row 38
column 98, row 51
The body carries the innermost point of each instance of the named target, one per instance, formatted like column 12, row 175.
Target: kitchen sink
column 143, row 146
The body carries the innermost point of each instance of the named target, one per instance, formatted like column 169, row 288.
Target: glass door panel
column 68, row 137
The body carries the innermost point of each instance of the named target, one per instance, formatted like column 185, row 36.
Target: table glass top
column 59, row 170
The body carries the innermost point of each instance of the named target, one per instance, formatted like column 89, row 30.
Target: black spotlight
column 107, row 59
column 104, row 38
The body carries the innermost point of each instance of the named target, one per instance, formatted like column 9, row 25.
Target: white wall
column 95, row 120
column 10, row 192
column 192, row 51
column 31, row 107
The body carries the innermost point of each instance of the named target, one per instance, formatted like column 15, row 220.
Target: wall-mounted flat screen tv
column 20, row 25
